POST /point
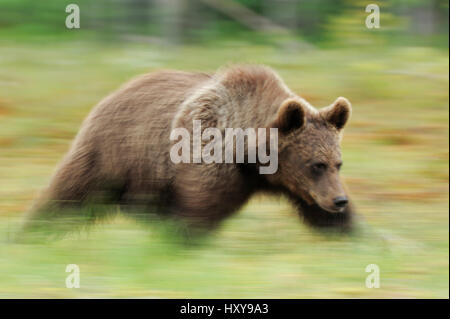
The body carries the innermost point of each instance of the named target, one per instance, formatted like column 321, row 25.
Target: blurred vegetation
column 318, row 22
column 395, row 147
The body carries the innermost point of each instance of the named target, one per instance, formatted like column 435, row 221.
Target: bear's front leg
column 205, row 194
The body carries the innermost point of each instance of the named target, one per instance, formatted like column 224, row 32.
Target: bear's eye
column 339, row 165
column 319, row 167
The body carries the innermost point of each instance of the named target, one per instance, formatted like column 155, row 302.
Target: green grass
column 396, row 166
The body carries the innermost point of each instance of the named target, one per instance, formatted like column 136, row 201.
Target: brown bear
column 122, row 151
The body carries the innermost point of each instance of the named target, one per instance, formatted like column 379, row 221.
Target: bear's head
column 309, row 155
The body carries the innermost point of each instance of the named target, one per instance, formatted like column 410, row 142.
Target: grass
column 396, row 166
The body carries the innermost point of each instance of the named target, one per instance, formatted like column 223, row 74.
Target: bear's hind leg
column 64, row 203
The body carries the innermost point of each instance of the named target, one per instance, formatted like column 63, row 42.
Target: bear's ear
column 290, row 116
column 338, row 113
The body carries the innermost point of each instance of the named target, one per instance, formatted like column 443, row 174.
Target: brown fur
column 121, row 153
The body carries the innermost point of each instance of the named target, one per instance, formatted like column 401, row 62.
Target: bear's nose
column 340, row 201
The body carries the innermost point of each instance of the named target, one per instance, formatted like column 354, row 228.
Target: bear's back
column 129, row 130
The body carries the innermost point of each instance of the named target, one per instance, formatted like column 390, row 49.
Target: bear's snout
column 340, row 202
